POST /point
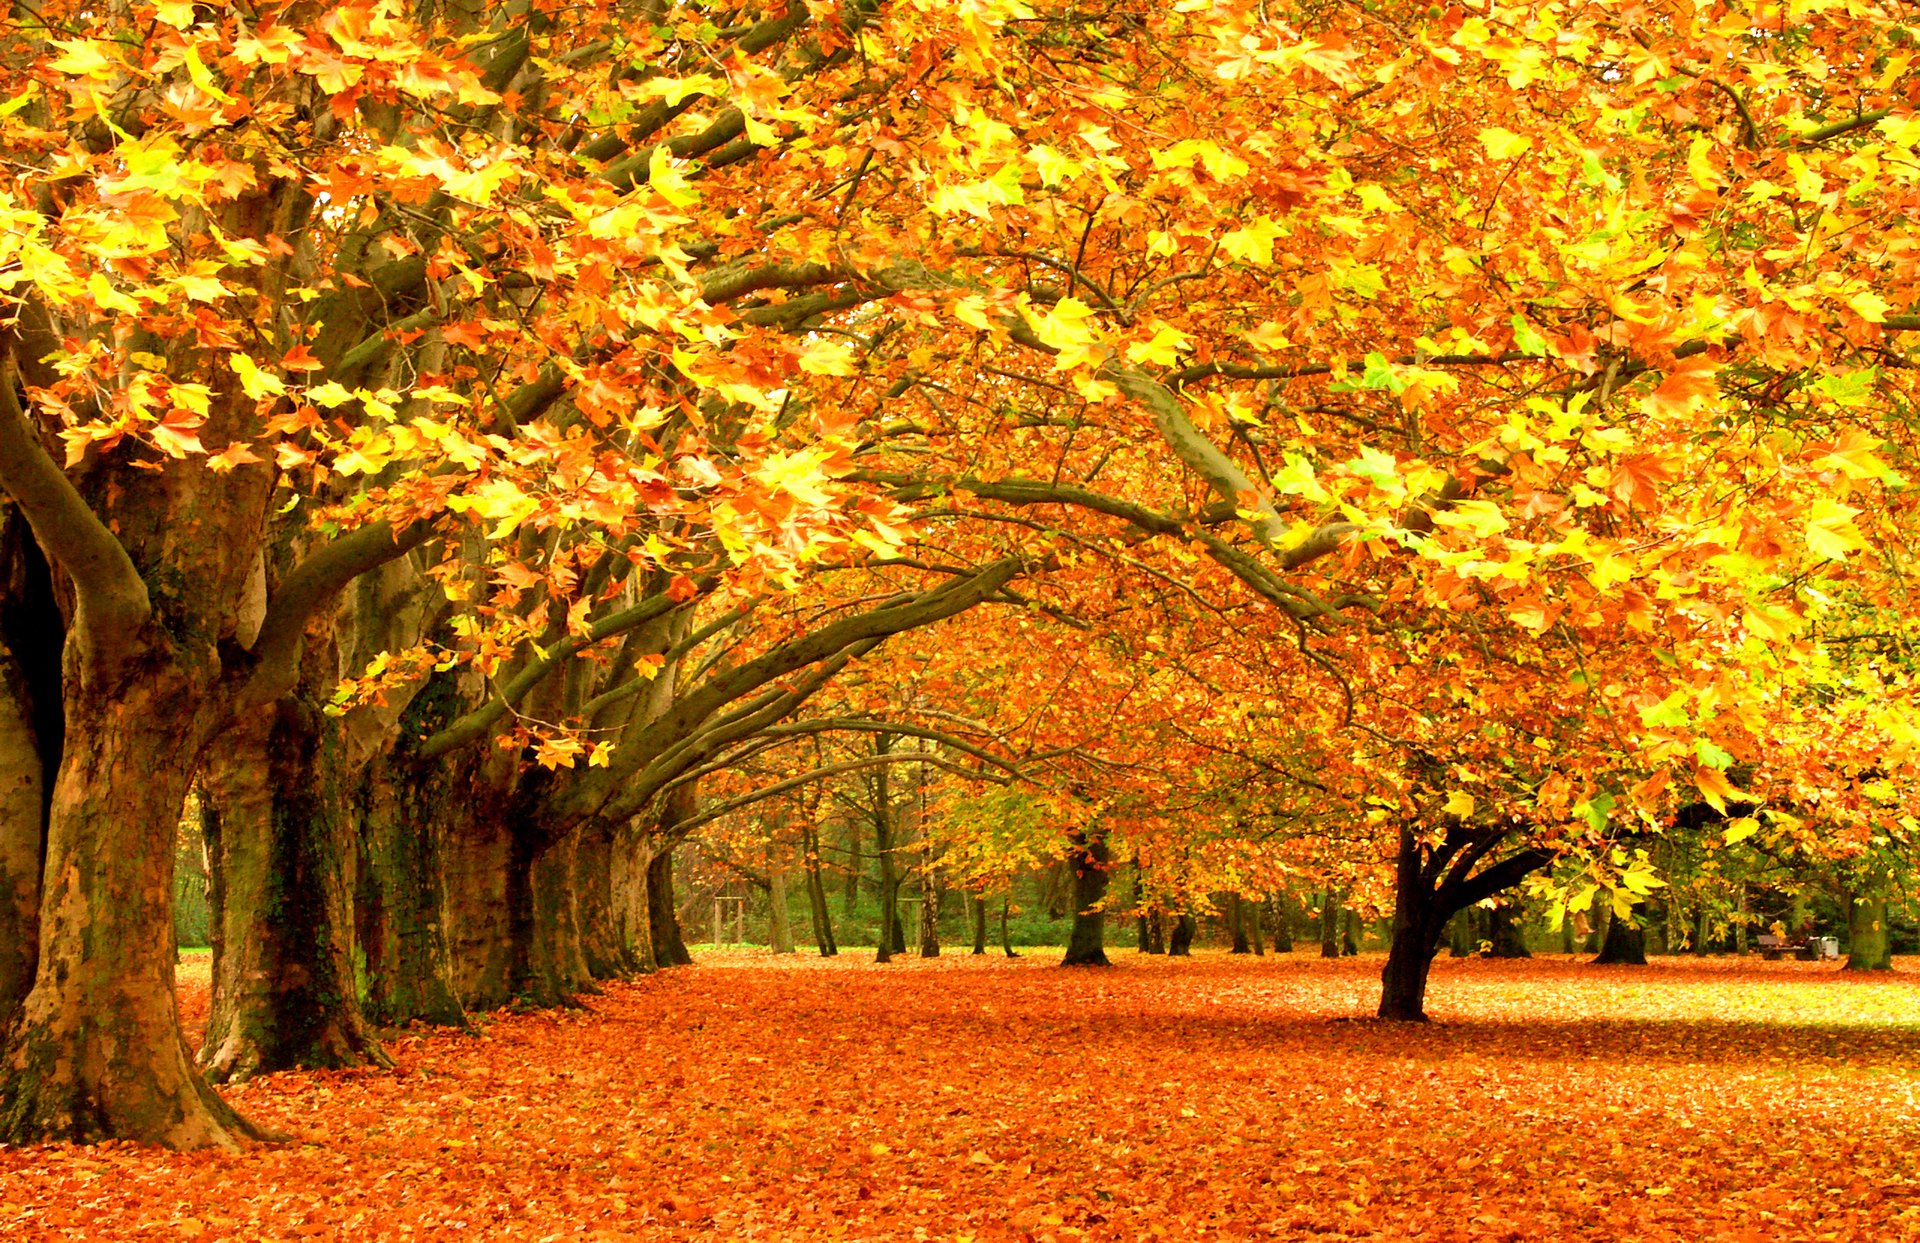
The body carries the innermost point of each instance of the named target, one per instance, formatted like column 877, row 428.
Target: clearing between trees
column 985, row 1098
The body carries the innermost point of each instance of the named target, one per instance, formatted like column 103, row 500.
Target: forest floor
column 986, row 1099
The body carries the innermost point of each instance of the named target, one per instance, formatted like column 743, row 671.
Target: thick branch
column 306, row 588
column 112, row 599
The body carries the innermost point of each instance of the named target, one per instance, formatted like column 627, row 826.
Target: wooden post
column 716, row 921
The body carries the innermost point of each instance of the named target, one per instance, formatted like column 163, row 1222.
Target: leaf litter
column 977, row 1099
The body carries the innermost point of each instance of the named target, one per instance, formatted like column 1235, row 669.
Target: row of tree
column 1396, row 447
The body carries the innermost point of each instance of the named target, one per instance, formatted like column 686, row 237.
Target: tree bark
column 96, row 1051
column 1089, row 860
column 779, row 920
column 1504, row 932
column 669, row 948
column 23, row 840
column 632, row 851
column 1006, row 936
column 400, row 900
column 281, row 845
column 930, row 894
column 1625, row 945
column 1235, row 910
column 817, row 891
column 1180, row 942
column 1868, row 948
column 977, row 914
column 1431, row 884
column 31, row 727
column 1330, row 924
column 891, row 940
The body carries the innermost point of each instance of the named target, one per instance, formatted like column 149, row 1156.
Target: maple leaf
column 1687, row 384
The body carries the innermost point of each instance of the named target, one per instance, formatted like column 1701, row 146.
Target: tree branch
column 112, row 598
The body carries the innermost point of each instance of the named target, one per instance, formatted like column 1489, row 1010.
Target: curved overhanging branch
column 823, row 725
column 476, row 723
column 310, row 584
column 778, row 788
column 112, row 598
column 674, row 731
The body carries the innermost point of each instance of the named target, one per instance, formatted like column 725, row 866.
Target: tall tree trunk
column 669, row 948
column 281, row 844
column 1418, row 921
column 31, row 726
column 891, row 940
column 1350, row 933
column 1283, row 912
column 1180, row 941
column 1504, row 933
column 400, row 902
column 817, row 891
column 596, row 873
column 548, row 965
column 1868, row 948
column 1250, row 924
column 1157, row 933
column 850, row 892
column 977, row 914
column 22, row 841
column 779, row 921
column 1626, row 944
column 96, row 1052
column 1330, row 924
column 1089, row 860
column 631, row 853
column 930, row 894
column 1234, row 908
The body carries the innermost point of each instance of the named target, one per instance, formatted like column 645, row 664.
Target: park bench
column 1806, row 949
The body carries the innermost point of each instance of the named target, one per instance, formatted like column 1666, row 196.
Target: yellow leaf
column 253, row 381
column 1870, row 306
column 824, row 357
column 1741, row 829
column 1830, row 530
column 1503, row 144
column 1714, row 787
column 1161, row 350
column 202, row 78
column 667, row 181
column 84, row 58
column 1254, row 243
column 1769, row 622
column 107, row 298
column 1459, row 804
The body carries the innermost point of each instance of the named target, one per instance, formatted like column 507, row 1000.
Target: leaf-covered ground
column 981, row 1098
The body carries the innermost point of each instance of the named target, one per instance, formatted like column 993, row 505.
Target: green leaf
column 1711, row 755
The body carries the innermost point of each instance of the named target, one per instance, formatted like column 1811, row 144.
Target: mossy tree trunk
column 1868, row 948
column 95, row 1051
column 400, row 900
column 281, row 843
